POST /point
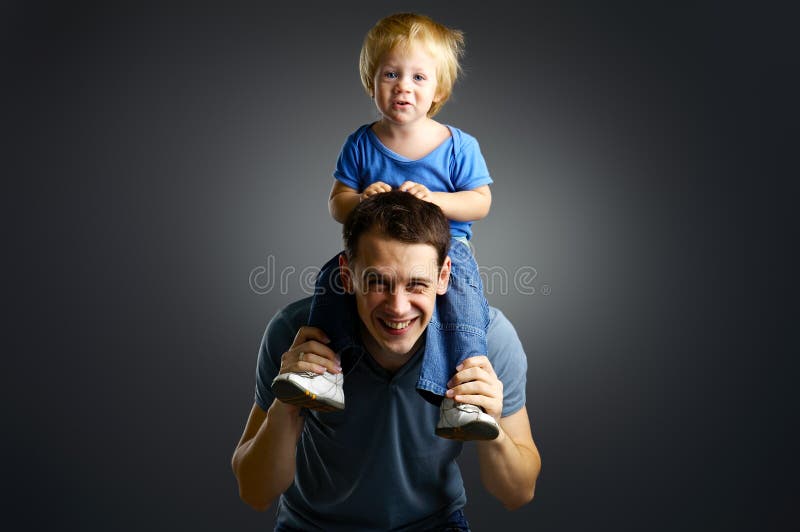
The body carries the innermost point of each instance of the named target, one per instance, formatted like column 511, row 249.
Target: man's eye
column 417, row 288
column 375, row 285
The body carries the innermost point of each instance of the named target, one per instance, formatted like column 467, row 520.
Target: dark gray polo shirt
column 378, row 464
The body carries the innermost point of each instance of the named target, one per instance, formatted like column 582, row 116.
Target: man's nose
column 397, row 302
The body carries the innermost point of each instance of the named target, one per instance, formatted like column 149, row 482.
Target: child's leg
column 458, row 326
column 329, row 309
column 457, row 331
column 331, row 306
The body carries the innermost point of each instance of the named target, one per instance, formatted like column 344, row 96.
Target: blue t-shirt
column 378, row 464
column 455, row 165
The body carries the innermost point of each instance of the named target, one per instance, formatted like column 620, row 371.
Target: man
column 378, row 465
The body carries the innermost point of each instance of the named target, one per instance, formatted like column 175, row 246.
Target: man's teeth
column 397, row 324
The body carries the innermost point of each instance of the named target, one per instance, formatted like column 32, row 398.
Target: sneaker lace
column 465, row 407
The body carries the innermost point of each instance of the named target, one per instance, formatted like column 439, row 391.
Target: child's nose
column 403, row 84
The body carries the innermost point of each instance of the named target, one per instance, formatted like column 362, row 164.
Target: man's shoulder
column 508, row 359
column 497, row 318
column 297, row 309
column 502, row 340
column 291, row 317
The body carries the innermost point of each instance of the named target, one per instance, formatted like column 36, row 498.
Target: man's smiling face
column 395, row 286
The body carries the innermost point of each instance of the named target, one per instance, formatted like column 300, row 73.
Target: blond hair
column 404, row 29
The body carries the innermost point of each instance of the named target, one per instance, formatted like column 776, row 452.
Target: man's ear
column 444, row 277
column 345, row 274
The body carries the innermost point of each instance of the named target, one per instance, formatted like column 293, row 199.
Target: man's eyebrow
column 375, row 276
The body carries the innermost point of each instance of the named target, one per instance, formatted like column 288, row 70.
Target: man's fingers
column 318, row 364
column 480, row 361
column 315, row 348
column 474, row 388
column 468, row 375
column 475, row 382
column 309, row 352
column 310, row 333
column 478, row 400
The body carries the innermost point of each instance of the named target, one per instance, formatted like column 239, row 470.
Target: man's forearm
column 509, row 468
column 264, row 465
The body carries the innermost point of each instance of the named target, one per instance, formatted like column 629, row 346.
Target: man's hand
column 375, row 188
column 476, row 383
column 309, row 353
column 264, row 459
column 418, row 190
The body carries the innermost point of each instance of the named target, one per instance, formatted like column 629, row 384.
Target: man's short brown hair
column 399, row 216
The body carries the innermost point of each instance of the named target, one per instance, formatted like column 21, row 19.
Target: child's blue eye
column 419, row 77
column 391, row 75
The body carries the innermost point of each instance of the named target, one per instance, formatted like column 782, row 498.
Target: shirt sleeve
column 348, row 164
column 277, row 339
column 508, row 360
column 469, row 167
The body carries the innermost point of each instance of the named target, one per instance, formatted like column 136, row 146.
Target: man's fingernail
column 450, row 393
column 459, row 367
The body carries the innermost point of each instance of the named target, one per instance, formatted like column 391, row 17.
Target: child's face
column 405, row 84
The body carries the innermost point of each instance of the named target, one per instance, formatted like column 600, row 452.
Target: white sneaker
column 323, row 392
column 460, row 421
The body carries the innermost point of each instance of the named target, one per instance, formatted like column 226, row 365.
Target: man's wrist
column 496, row 444
column 284, row 409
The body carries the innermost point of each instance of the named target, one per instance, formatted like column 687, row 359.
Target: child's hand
column 375, row 188
column 418, row 190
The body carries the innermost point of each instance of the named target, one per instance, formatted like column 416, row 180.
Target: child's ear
column 444, row 277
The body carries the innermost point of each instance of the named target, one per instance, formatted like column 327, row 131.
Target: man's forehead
column 385, row 257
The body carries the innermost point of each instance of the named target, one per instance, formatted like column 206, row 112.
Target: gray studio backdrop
column 176, row 162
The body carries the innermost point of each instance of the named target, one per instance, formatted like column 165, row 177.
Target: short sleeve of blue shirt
column 277, row 339
column 508, row 360
column 469, row 170
column 350, row 160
